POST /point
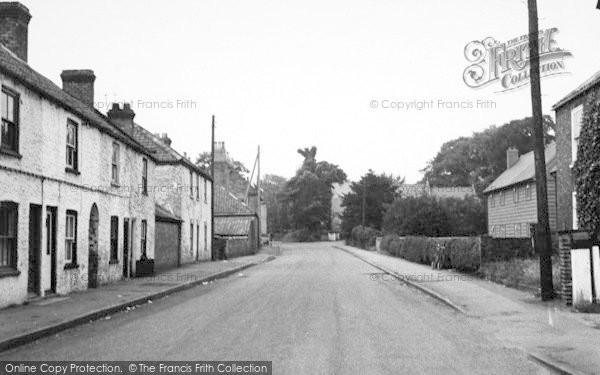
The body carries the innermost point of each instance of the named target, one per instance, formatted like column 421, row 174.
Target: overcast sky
column 288, row 75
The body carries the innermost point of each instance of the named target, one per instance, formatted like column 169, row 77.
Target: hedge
column 461, row 253
column 363, row 237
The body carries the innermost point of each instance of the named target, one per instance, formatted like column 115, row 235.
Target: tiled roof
column 588, row 84
column 233, row 226
column 227, row 204
column 164, row 213
column 162, row 152
column 18, row 69
column 523, row 170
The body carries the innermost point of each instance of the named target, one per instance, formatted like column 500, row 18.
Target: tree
column 277, row 214
column 479, row 159
column 435, row 217
column 377, row 191
column 587, row 170
column 307, row 195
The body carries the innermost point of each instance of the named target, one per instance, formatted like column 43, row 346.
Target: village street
column 315, row 309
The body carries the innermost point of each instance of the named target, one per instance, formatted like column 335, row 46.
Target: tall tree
column 479, row 159
column 372, row 193
column 308, row 194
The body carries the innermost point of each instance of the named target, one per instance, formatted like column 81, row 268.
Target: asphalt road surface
column 313, row 310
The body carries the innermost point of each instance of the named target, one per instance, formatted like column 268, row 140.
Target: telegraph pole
column 212, row 190
column 543, row 242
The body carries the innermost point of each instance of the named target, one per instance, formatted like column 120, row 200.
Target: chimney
column 14, row 21
column 122, row 117
column 512, row 156
column 165, row 139
column 80, row 84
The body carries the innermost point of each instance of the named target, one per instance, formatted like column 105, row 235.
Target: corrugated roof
column 588, row 84
column 19, row 70
column 227, row 204
column 233, row 226
column 523, row 170
column 164, row 213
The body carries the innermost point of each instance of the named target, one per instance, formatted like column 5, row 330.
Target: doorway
column 93, row 248
column 126, row 246
column 50, row 267
column 35, row 238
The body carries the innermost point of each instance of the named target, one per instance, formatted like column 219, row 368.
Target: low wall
column 236, row 247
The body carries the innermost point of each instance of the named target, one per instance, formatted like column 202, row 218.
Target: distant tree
column 587, row 170
column 379, row 191
column 307, row 195
column 203, row 160
column 479, row 159
column 277, row 214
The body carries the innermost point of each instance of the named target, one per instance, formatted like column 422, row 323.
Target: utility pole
column 543, row 242
column 258, row 204
column 212, row 190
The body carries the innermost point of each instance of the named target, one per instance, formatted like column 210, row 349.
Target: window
column 192, row 238
column 516, row 194
column 576, row 117
column 143, row 237
column 8, row 234
column 191, row 185
column 502, row 198
column 492, row 200
column 517, row 229
column 205, row 192
column 205, row 237
column 9, row 135
column 492, row 230
column 72, row 141
column 503, row 230
column 575, row 218
column 115, row 164
column 525, row 229
column 114, row 239
column 197, row 187
column 197, row 238
column 528, row 193
column 71, row 238
column 145, row 176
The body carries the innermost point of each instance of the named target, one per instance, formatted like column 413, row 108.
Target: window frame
column 12, row 250
column 516, row 197
column 502, row 198
column 72, row 260
column 114, row 240
column 72, row 149
column 144, row 239
column 115, row 161
column 144, row 176
column 13, row 149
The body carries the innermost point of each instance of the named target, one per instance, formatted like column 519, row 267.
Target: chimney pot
column 512, row 156
column 79, row 84
column 122, row 117
column 14, row 25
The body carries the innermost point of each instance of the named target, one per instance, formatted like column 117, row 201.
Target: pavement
column 550, row 332
column 39, row 318
column 315, row 309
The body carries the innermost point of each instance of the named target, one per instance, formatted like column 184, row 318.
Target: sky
column 287, row 75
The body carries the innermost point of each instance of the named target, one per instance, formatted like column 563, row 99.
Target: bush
column 461, row 253
column 301, row 235
column 363, row 237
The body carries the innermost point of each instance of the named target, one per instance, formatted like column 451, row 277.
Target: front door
column 49, row 264
column 93, row 257
column 35, row 231
column 126, row 247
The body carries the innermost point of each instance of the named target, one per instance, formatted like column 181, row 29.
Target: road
column 313, row 310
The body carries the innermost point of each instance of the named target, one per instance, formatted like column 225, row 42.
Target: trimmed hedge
column 363, row 237
column 461, row 253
